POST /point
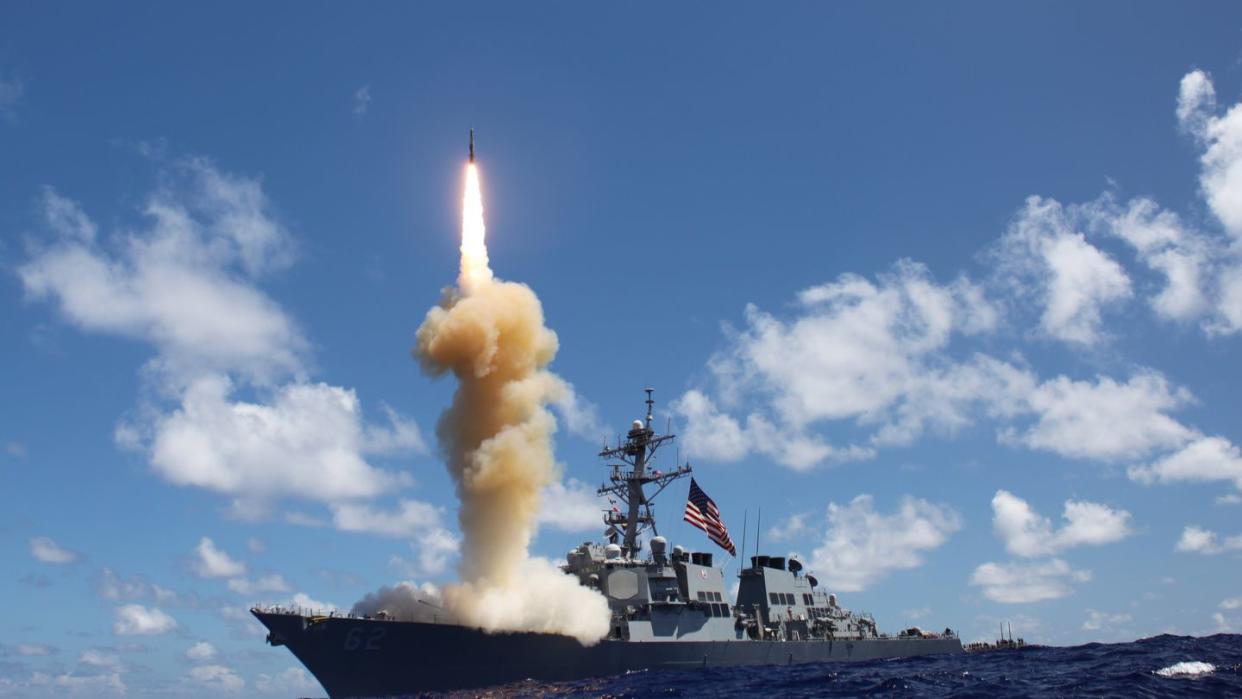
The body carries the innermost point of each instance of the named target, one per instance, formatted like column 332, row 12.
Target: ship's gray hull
column 365, row 658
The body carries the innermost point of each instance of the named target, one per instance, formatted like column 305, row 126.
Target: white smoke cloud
column 47, row 551
column 497, row 437
column 1027, row 534
column 405, row 601
column 1020, row 583
column 862, row 545
column 137, row 620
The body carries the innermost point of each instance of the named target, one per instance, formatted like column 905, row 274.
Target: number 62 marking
column 358, row 638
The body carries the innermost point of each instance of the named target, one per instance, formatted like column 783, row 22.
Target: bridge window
column 774, row 598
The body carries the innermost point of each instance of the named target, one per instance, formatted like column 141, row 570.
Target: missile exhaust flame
column 474, row 264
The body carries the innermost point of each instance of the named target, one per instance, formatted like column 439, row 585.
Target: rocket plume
column 497, row 439
column 474, row 266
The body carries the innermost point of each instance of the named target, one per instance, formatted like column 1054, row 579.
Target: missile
column 472, row 145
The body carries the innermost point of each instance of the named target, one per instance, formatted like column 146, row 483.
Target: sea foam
column 1191, row 668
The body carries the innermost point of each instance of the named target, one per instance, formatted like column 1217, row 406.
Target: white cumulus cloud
column 1166, row 245
column 421, row 522
column 1027, row 534
column 185, row 284
column 99, row 658
column 1205, row 459
column 1018, row 583
column 862, row 545
column 293, row 679
column 217, row 678
column 1103, row 621
column 137, row 620
column 1044, row 251
column 185, row 278
column 570, row 506
column 1105, row 419
column 1205, row 541
column 309, row 441
column 268, row 583
column 201, row 652
column 212, row 562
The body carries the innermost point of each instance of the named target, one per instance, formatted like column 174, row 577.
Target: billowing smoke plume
column 405, row 602
column 497, row 437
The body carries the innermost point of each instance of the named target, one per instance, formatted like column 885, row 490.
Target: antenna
column 650, row 403
column 743, row 563
column 758, row 521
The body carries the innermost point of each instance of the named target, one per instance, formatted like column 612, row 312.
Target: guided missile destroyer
column 670, row 609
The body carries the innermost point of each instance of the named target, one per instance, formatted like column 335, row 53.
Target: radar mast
column 629, row 461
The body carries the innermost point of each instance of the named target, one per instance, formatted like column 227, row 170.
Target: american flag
column 702, row 513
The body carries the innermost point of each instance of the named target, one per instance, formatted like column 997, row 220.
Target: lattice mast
column 629, row 461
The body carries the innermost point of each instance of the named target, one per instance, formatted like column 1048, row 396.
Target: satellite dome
column 658, row 545
column 612, row 552
column 637, row 425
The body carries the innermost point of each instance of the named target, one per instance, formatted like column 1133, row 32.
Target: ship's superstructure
column 669, row 609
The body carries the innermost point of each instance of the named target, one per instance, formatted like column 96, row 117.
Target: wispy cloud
column 362, row 100
column 47, row 551
column 11, row 89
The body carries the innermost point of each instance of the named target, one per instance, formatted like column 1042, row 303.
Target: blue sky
column 952, row 293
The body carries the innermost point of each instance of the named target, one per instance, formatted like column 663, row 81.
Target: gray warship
column 670, row 610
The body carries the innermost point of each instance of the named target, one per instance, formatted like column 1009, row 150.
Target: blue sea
column 1153, row 667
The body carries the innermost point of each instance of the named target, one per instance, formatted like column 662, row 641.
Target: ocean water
column 1161, row 666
